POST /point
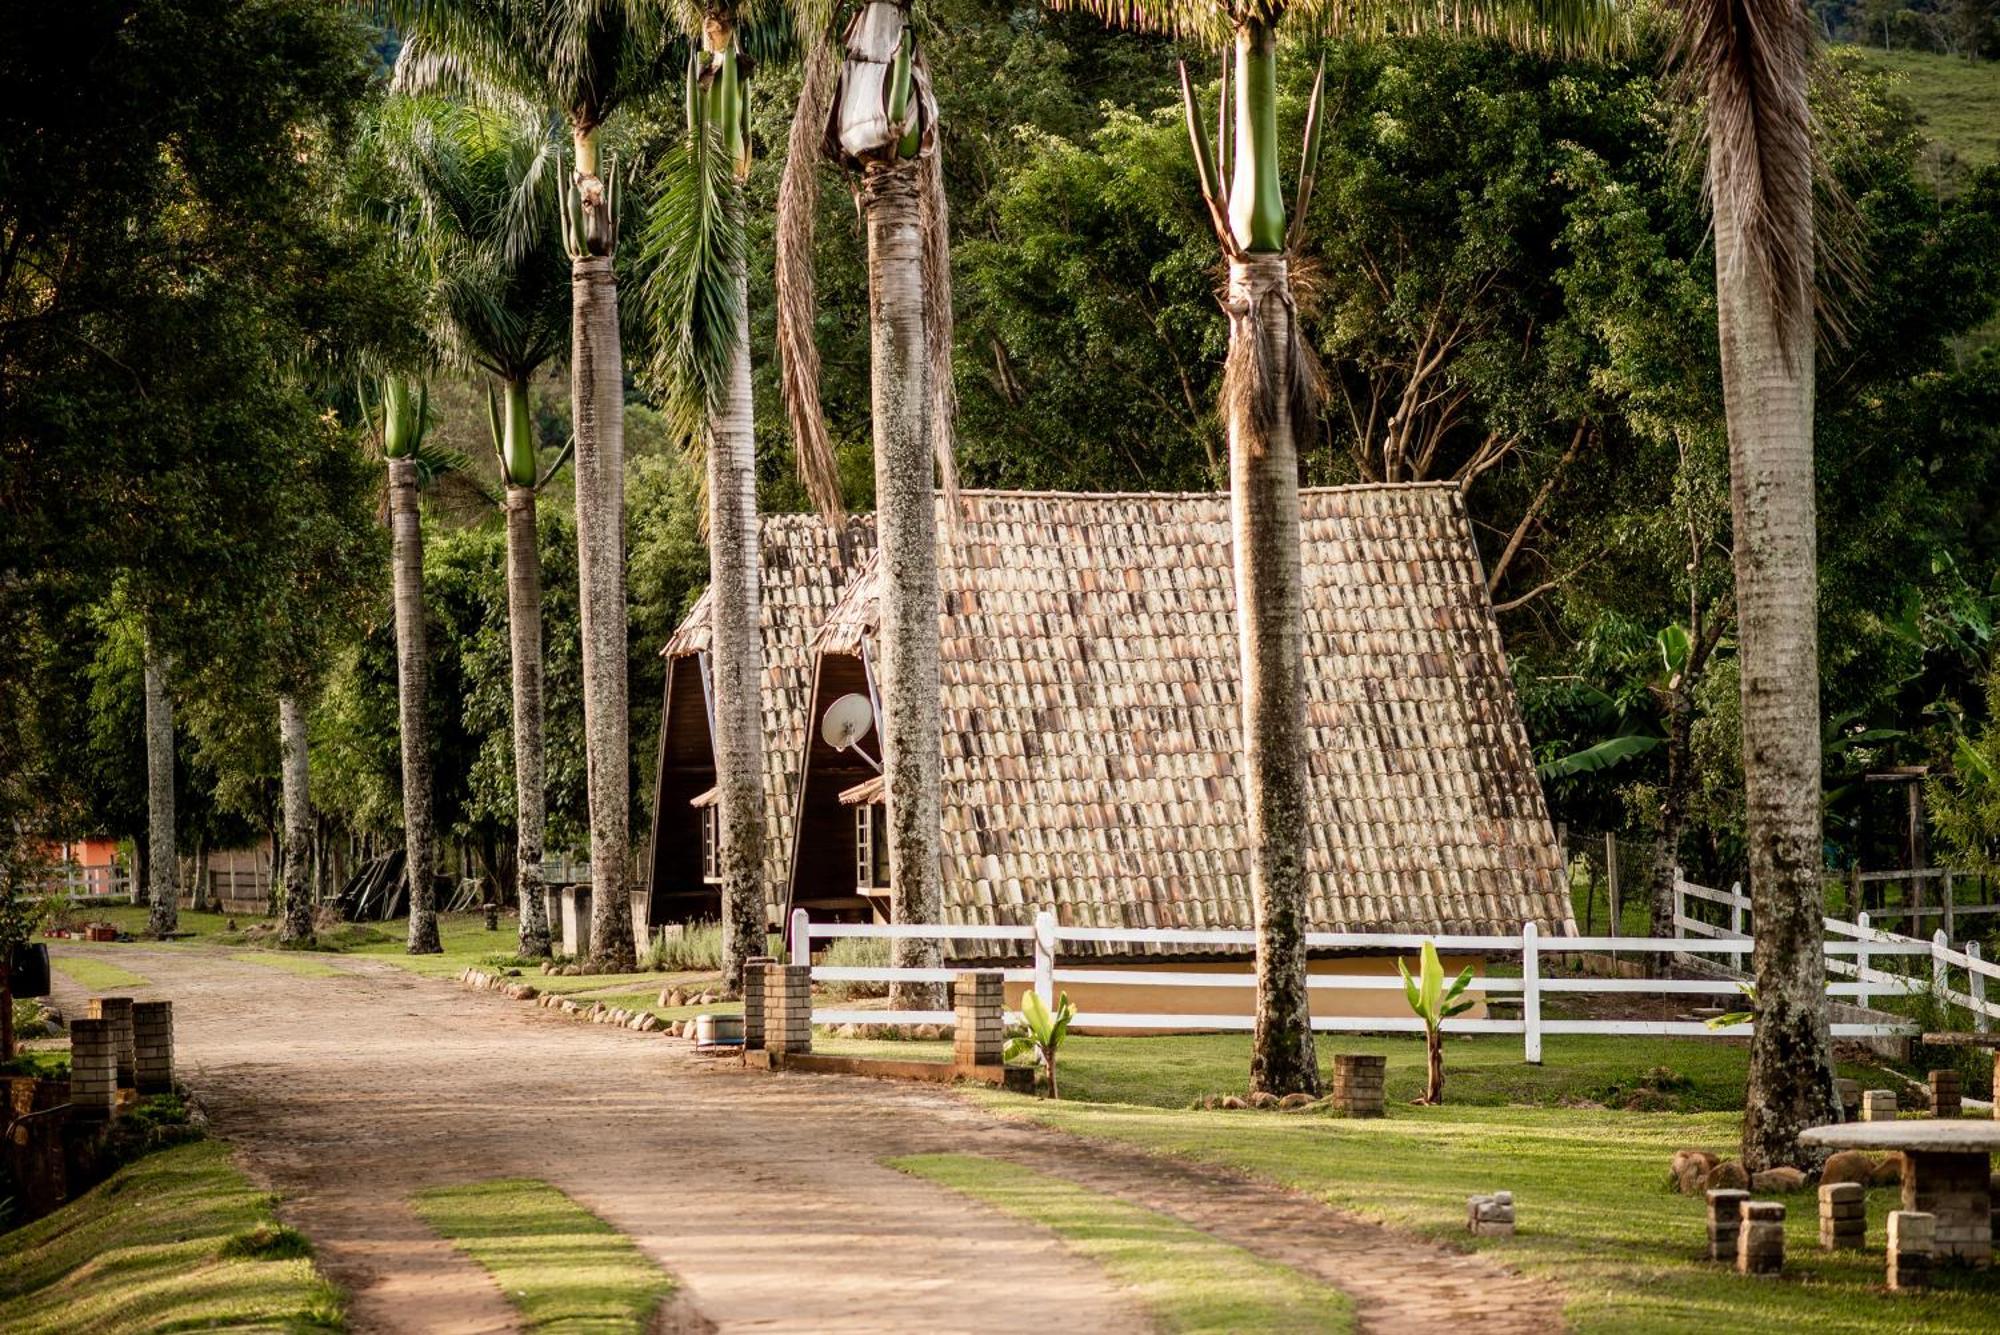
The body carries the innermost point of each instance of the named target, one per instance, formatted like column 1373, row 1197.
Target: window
column 871, row 847
column 711, row 845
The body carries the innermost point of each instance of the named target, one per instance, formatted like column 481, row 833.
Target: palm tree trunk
column 597, row 397
column 162, row 869
column 412, row 695
column 524, row 623
column 295, row 771
column 1767, row 379
column 738, row 653
column 906, row 529
column 1260, row 396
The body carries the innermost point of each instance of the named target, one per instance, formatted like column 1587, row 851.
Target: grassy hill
column 1959, row 99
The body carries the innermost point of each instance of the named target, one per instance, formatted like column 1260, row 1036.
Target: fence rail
column 1044, row 941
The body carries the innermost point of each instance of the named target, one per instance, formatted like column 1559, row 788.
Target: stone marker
column 1725, row 1222
column 1843, row 1216
column 1912, row 1238
column 1878, row 1105
column 1490, row 1216
column 1760, row 1243
column 1947, row 1094
column 1357, row 1083
column 153, row 1038
column 117, row 1012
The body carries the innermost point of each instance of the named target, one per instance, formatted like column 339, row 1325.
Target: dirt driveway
column 765, row 1195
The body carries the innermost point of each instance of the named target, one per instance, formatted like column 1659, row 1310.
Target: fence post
column 1531, row 993
column 1680, row 903
column 1045, row 956
column 1611, row 877
column 1861, row 957
column 1854, row 891
column 1939, row 944
column 1976, row 986
column 802, row 951
column 1950, row 927
column 1736, row 909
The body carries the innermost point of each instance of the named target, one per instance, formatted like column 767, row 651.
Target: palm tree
column 293, row 770
column 479, row 211
column 698, row 306
column 1751, row 62
column 162, row 849
column 399, row 427
column 1271, row 393
column 582, row 59
column 872, row 111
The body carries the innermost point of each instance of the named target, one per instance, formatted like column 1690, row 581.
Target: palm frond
column 1749, row 60
column 693, row 253
column 798, row 308
column 1571, row 26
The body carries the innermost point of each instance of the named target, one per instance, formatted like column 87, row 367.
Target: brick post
column 1850, row 1099
column 153, row 1034
column 1843, row 1216
column 1956, row 1191
column 978, row 1034
column 117, row 1012
column 788, row 1008
column 1760, row 1245
column 93, row 1068
column 1357, row 1084
column 1947, row 1094
column 753, row 1001
column 1725, row 1222
column 1878, row 1105
column 1912, row 1239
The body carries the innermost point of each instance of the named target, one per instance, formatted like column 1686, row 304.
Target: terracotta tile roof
column 806, row 567
column 1091, row 721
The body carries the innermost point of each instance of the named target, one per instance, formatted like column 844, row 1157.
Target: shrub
column 31, row 1019
column 696, row 948
column 266, row 1242
column 856, row 952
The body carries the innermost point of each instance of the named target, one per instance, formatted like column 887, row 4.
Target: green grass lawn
column 130, row 919
column 561, row 1266
column 1596, row 1214
column 1959, row 99
column 96, row 974
column 1186, row 1279
column 179, row 1240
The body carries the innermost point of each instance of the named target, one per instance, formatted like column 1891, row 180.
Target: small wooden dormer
column 871, row 838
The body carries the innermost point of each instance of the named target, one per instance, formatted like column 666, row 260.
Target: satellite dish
column 847, row 721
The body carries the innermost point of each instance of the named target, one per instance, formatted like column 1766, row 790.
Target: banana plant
column 1040, row 1033
column 1434, row 1003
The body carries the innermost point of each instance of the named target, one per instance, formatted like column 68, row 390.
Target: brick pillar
column 1850, row 1099
column 1843, row 1217
column 754, row 969
column 1357, row 1084
column 1956, row 1190
column 1878, row 1105
column 93, row 1068
column 1725, row 1222
column 979, row 1034
column 117, row 1012
column 153, row 1034
column 788, row 1007
column 1912, row 1239
column 1947, row 1094
column 1760, row 1244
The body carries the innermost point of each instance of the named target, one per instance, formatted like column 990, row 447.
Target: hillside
column 1959, row 99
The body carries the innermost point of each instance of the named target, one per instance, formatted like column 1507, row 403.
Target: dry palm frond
column 1250, row 392
column 798, row 308
column 934, row 220
column 1751, row 59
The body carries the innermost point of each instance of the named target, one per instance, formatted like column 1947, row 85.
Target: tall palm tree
column 162, row 849
column 1271, row 394
column 582, row 59
column 398, row 426
column 477, row 204
column 872, row 111
column 698, row 307
column 1750, row 59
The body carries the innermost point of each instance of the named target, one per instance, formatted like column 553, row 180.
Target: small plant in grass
column 696, row 948
column 1434, row 1003
column 1745, row 1016
column 266, row 1242
column 1041, row 1033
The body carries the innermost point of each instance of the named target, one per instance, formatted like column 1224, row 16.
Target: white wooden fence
column 1857, row 950
column 1043, row 942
